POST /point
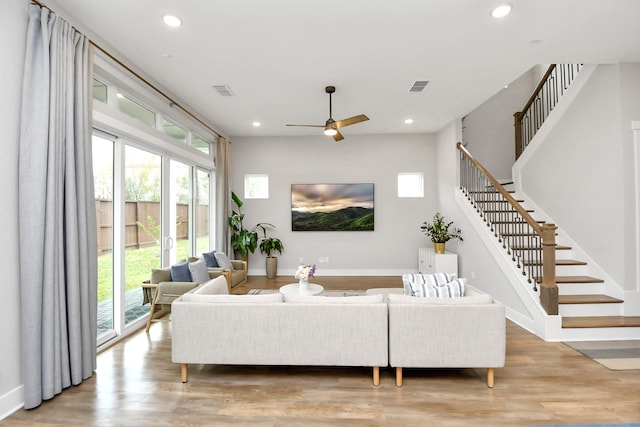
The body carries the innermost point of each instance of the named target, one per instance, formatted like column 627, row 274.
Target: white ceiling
column 277, row 56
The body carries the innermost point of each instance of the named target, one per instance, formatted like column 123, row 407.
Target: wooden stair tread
column 516, row 234
column 574, row 279
column 570, row 262
column 559, row 262
column 558, row 248
column 587, row 299
column 505, row 211
column 495, row 201
column 515, row 222
column 601, row 322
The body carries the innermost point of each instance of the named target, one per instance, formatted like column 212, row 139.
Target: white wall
column 579, row 174
column 488, row 131
column 389, row 250
column 13, row 23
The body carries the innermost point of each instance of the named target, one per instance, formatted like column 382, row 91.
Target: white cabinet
column 430, row 262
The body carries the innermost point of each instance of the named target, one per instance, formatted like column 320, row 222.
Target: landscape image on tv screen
column 332, row 207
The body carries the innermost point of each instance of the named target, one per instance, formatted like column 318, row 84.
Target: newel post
column 549, row 288
column 517, row 123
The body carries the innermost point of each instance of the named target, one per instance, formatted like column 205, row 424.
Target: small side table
column 293, row 289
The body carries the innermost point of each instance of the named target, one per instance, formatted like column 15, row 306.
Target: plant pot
column 439, row 248
column 271, row 265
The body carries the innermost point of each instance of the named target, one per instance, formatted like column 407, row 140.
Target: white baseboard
column 11, row 402
column 345, row 272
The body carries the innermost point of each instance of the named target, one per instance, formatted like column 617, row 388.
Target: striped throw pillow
column 414, row 282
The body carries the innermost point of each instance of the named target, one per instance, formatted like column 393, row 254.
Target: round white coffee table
column 293, row 289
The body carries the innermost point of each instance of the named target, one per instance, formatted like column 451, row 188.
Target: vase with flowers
column 303, row 273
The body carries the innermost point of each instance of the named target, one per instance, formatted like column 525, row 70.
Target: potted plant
column 243, row 240
column 268, row 246
column 439, row 232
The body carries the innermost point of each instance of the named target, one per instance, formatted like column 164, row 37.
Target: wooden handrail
column 536, row 256
column 554, row 83
column 525, row 215
column 538, row 89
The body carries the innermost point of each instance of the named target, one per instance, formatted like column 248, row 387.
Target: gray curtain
column 223, row 196
column 58, row 257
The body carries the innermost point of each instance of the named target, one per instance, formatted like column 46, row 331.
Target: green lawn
column 138, row 265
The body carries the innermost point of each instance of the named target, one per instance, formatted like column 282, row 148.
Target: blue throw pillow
column 181, row 273
column 210, row 259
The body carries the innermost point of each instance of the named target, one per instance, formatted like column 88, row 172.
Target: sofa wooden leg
column 399, row 376
column 490, row 377
column 185, row 372
column 376, row 375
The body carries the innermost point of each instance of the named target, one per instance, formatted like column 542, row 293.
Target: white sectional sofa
column 381, row 328
column 209, row 328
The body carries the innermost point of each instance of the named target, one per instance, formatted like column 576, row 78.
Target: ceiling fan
column 331, row 126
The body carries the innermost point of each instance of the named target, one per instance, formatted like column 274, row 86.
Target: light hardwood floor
column 542, row 383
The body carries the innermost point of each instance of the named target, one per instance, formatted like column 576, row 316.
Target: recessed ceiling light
column 256, row 124
column 172, row 21
column 501, row 11
column 408, row 121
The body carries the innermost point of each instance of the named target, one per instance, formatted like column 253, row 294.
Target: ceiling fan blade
column 351, row 121
column 309, row 126
column 338, row 136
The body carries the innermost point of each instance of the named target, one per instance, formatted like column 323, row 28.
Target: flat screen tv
column 332, row 207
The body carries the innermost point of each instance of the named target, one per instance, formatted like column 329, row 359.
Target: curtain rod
column 148, row 83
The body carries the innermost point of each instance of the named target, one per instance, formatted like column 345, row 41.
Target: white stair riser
column 597, row 334
column 581, row 289
column 580, row 310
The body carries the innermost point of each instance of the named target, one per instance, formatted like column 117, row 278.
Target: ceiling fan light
column 330, row 131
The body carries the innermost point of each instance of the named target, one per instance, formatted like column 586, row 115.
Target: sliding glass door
column 142, row 225
column 103, row 183
column 152, row 211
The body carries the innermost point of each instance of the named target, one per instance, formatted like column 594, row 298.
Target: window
column 135, row 110
column 200, row 143
column 410, row 184
column 174, row 130
column 99, row 91
column 256, row 186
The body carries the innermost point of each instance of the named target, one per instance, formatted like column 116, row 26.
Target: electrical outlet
column 300, row 260
column 326, row 259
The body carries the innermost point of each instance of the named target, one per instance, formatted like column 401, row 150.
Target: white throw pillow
column 199, row 271
column 217, row 286
column 224, row 261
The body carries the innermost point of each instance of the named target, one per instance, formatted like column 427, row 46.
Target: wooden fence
column 142, row 223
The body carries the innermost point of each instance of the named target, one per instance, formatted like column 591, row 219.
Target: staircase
column 567, row 300
column 581, row 302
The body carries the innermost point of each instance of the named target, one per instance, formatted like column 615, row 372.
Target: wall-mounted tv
column 332, row 207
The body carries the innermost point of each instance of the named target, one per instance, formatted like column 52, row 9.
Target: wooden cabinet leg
column 490, row 377
column 185, row 372
column 376, row 375
column 399, row 376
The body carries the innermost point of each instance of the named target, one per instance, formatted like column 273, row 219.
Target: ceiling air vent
column 419, row 86
column 223, row 90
